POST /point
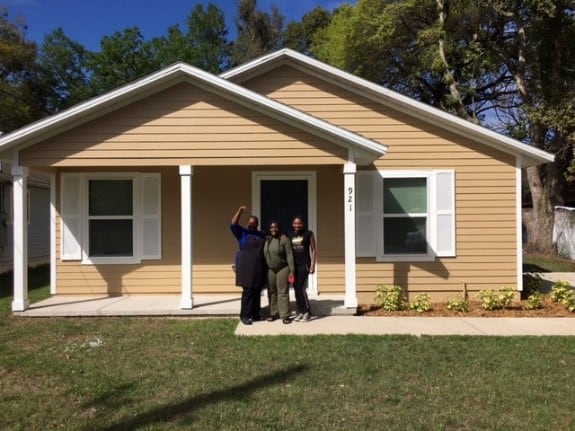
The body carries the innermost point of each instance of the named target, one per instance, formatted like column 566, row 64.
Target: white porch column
column 20, row 206
column 349, row 170
column 186, row 173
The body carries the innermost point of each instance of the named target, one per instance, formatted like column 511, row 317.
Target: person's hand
column 242, row 208
column 312, row 270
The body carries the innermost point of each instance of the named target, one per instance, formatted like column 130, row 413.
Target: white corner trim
column 53, row 193
column 519, row 224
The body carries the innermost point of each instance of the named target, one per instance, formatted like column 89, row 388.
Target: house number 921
column 350, row 198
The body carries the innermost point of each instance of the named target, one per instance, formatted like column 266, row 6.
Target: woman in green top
column 279, row 258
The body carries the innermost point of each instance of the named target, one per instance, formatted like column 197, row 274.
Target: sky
column 87, row 21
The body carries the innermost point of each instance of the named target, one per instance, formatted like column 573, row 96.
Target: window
column 110, row 218
column 405, row 215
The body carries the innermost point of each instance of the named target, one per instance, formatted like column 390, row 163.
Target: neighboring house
column 146, row 178
column 38, row 219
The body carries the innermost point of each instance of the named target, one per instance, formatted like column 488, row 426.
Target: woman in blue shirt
column 250, row 265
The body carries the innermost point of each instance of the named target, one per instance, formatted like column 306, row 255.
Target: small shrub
column 563, row 293
column 531, row 284
column 421, row 303
column 559, row 290
column 497, row 299
column 390, row 297
column 458, row 303
column 535, row 301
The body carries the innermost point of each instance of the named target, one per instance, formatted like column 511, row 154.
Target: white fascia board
column 394, row 100
column 181, row 71
column 258, row 65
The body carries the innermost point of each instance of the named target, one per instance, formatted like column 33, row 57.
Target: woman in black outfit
column 250, row 265
column 304, row 252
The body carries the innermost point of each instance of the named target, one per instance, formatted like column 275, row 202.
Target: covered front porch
column 205, row 305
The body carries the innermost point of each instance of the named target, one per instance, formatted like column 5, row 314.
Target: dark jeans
column 250, row 305
column 302, row 301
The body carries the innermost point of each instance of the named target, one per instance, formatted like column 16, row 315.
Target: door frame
column 311, row 222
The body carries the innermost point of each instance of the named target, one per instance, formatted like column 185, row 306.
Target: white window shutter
column 71, row 200
column 151, row 189
column 365, row 226
column 445, row 213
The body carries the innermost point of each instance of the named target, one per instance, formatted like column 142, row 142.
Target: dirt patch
column 551, row 309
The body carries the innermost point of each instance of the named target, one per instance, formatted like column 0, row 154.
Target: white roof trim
column 391, row 99
column 368, row 150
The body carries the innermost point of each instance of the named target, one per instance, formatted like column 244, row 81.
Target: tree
column 537, row 48
column 22, row 91
column 257, row 32
column 421, row 48
column 204, row 45
column 298, row 35
column 62, row 61
column 123, row 57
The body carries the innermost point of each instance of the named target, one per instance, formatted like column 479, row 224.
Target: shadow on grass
column 169, row 412
column 38, row 277
column 532, row 267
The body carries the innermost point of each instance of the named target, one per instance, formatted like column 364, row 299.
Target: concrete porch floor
column 205, row 305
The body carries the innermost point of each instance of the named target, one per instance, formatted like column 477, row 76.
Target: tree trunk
column 540, row 228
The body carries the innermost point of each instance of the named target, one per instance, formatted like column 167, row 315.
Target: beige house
column 146, row 178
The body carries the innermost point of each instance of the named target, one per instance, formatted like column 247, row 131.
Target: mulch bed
column 551, row 309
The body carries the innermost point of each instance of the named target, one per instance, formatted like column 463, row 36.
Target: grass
column 194, row 374
column 544, row 263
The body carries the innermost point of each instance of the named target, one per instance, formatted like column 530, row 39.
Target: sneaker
column 298, row 317
column 286, row 321
column 306, row 317
column 246, row 320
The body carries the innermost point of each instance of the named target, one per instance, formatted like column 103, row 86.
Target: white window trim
column 136, row 217
column 429, row 228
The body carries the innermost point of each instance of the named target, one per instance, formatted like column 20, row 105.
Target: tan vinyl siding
column 183, row 125
column 485, row 189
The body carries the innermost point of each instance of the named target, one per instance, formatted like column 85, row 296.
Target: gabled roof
column 363, row 150
column 527, row 155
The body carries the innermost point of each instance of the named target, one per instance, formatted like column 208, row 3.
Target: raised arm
column 237, row 215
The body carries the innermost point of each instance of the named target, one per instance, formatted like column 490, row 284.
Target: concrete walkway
column 417, row 326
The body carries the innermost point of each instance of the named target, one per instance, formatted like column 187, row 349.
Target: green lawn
column 543, row 263
column 183, row 374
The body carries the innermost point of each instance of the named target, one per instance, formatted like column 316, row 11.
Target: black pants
column 251, row 302
column 301, row 299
